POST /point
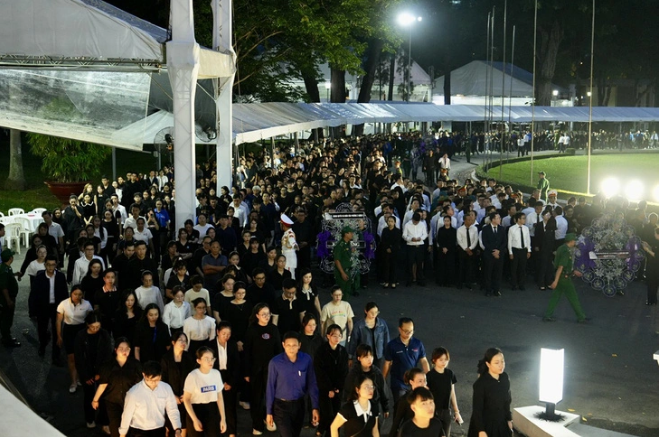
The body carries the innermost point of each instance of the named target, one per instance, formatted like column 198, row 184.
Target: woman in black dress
column 359, row 414
column 544, row 245
column 277, row 276
column 152, row 336
column 126, row 317
column 254, row 257
column 93, row 280
column 308, row 294
column 390, row 244
column 446, row 253
column 491, row 398
column 177, row 363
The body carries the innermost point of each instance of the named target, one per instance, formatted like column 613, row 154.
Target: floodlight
column 610, row 187
column 551, row 379
column 328, row 85
column 406, row 19
column 588, row 93
column 635, row 190
column 555, row 93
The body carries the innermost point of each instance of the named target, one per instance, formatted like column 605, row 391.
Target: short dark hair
column 438, row 352
column 204, row 350
column 363, row 350
column 404, row 320
column 419, row 394
column 291, row 334
column 288, row 283
column 222, row 325
column 152, row 369
column 332, row 328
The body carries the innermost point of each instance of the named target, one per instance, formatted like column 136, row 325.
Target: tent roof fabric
column 470, row 80
column 43, row 28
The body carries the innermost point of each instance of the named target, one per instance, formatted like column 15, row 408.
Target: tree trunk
column 390, row 91
column 337, row 93
column 447, row 85
column 312, row 88
column 550, row 40
column 370, row 64
column 16, row 178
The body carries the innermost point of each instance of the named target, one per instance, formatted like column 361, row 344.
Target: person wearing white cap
column 289, row 245
column 552, row 199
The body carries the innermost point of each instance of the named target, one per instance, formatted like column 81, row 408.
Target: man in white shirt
column 240, row 211
column 82, row 264
column 414, row 207
column 148, row 293
column 135, row 215
column 534, row 217
column 414, row 232
column 467, row 238
column 520, row 250
column 116, row 206
column 202, row 225
column 55, row 230
column 382, row 222
column 146, row 404
column 562, row 226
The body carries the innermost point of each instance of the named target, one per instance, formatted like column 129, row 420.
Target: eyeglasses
column 408, row 331
column 369, row 387
column 264, row 315
column 208, row 359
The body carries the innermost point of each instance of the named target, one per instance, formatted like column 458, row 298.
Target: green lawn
column 37, row 195
column 570, row 173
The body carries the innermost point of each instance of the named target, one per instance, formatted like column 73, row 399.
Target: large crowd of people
column 227, row 308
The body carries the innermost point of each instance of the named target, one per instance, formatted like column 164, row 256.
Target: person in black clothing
column 423, row 424
column 74, row 252
column 72, row 219
column 364, row 366
column 544, row 246
column 93, row 280
column 305, row 238
column 441, row 382
column 127, row 316
column 279, row 274
column 651, row 250
column 491, row 398
column 229, row 365
column 137, row 265
column 288, row 310
column 152, row 336
column 106, row 299
column 308, row 293
column 494, row 239
column 260, row 290
column 446, row 254
column 310, row 339
column 359, row 414
column 120, row 265
column 116, row 377
column 331, row 368
column 92, row 349
column 262, row 342
column 253, row 257
column 177, row 363
column 414, row 377
column 390, row 244
column 46, row 305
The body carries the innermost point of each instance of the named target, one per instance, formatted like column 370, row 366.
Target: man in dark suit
column 494, row 240
column 49, row 289
column 229, row 366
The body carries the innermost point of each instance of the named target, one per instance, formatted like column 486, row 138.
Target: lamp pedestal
column 526, row 421
column 550, row 411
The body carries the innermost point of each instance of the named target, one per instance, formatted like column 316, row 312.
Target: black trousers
column 209, row 415
column 416, row 257
column 114, row 417
column 545, row 272
column 257, row 396
column 468, row 267
column 6, row 320
column 289, row 416
column 389, row 268
column 518, row 267
column 229, row 397
column 328, row 410
column 492, row 272
column 445, row 418
column 89, row 390
column 158, row 432
column 47, row 316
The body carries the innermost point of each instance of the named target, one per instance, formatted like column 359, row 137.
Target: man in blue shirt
column 290, row 377
column 401, row 354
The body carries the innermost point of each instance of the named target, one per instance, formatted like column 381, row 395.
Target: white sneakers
column 271, row 428
column 256, row 432
column 91, row 425
column 73, row 387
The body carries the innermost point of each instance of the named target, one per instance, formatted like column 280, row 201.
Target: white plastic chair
column 37, row 211
column 1, row 214
column 15, row 211
column 13, row 233
column 25, row 229
column 6, row 220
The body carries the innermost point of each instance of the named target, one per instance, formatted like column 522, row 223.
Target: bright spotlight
column 555, row 93
column 635, row 190
column 406, row 19
column 551, row 376
column 610, row 187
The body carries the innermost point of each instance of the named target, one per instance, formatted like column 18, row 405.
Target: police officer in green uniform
column 563, row 284
column 8, row 293
column 543, row 186
column 346, row 275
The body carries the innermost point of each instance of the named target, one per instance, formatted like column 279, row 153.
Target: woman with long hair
column 200, row 328
column 360, row 414
column 491, row 398
column 177, row 363
column 390, row 245
column 116, row 377
column 279, row 274
column 262, row 342
column 126, row 317
column 93, row 280
column 308, row 293
column 152, row 336
column 446, row 254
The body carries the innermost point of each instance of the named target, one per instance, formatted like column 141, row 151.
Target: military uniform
column 289, row 246
column 543, row 186
column 564, row 285
column 8, row 282
column 342, row 252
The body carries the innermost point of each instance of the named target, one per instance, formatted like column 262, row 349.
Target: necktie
column 495, row 229
column 467, row 232
column 538, row 218
column 522, row 239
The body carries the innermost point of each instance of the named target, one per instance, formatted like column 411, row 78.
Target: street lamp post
column 327, row 91
column 406, row 19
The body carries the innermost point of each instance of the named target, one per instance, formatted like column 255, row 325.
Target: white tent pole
column 222, row 42
column 183, row 68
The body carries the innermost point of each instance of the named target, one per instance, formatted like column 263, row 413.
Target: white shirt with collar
column 532, row 219
column 562, row 227
column 412, row 230
column 81, row 266
column 145, row 408
column 461, row 237
column 514, row 239
column 382, row 224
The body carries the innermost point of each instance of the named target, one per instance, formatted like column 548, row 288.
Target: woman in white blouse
column 199, row 328
column 71, row 315
column 177, row 311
